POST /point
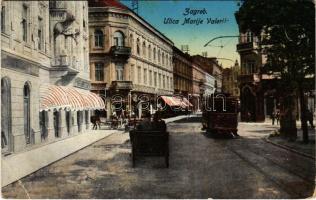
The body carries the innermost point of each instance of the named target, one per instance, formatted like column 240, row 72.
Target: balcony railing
column 248, row 78
column 246, row 46
column 120, row 52
column 122, row 85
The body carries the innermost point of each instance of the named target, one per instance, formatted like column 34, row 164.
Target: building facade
column 182, row 72
column 44, row 56
column 230, row 80
column 128, row 57
column 257, row 91
column 212, row 67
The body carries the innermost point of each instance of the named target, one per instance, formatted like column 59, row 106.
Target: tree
column 286, row 31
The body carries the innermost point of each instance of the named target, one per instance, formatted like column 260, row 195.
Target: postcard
column 157, row 99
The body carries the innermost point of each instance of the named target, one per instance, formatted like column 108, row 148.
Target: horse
column 95, row 120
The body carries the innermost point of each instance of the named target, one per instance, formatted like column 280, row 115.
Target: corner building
column 128, row 57
column 44, row 73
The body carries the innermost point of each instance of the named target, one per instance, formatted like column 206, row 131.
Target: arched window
column 144, row 49
column 98, row 38
column 119, row 39
column 27, row 113
column 158, row 56
column 163, row 58
column 138, row 47
column 149, row 51
column 6, row 124
column 154, row 52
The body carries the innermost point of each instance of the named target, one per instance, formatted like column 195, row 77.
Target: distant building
column 230, row 80
column 128, row 56
column 182, row 72
column 210, row 66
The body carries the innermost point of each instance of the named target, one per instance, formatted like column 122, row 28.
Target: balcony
column 246, row 46
column 248, row 78
column 122, row 85
column 66, row 63
column 120, row 53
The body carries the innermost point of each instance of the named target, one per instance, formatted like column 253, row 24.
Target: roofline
column 144, row 22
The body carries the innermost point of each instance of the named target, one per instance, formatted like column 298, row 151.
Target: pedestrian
column 277, row 117
column 310, row 118
column 273, row 117
column 248, row 116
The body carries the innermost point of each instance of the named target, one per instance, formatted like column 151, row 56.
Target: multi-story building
column 198, row 89
column 257, row 91
column 182, row 72
column 211, row 66
column 45, row 74
column 128, row 56
column 230, row 80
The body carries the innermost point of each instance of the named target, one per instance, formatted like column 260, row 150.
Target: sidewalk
column 172, row 119
column 16, row 166
column 307, row 150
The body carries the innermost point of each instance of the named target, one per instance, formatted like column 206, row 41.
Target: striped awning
column 63, row 97
column 185, row 100
column 176, row 101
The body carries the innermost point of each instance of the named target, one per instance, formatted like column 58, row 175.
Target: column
column 88, row 112
column 74, row 124
column 50, row 126
column 108, row 109
column 62, row 124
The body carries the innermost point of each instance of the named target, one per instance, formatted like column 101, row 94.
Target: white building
column 45, row 73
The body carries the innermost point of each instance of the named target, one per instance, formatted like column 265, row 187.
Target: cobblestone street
column 200, row 167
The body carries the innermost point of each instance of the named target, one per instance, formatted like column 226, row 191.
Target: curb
column 20, row 176
column 288, row 148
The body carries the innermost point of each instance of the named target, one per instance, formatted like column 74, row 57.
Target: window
column 131, row 41
column 158, row 56
column 27, row 117
column 119, row 71
column 163, row 58
column 3, row 19
column 163, row 82
column 155, row 79
column 249, row 37
column 6, row 126
column 144, row 49
column 168, row 86
column 43, row 120
column 149, row 52
column 159, row 83
column 139, row 74
column 150, row 78
column 118, row 39
column 98, row 38
column 154, row 52
column 138, row 47
column 40, row 33
column 145, row 76
column 99, row 71
column 166, row 60
column 24, row 23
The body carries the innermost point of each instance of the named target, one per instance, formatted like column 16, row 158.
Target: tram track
column 260, row 151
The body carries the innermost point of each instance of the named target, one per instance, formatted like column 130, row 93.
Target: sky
column 195, row 35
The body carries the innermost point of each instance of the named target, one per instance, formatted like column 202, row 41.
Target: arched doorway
column 248, row 104
column 6, row 123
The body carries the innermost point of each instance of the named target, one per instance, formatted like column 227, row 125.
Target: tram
column 220, row 115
